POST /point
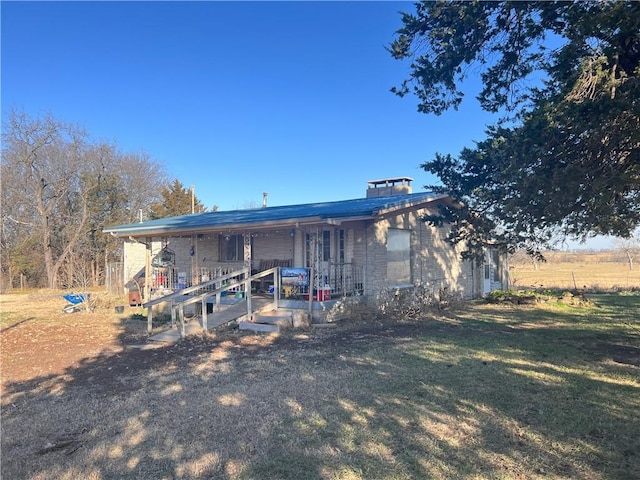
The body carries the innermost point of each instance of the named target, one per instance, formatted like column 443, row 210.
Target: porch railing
column 342, row 278
column 346, row 279
column 229, row 282
column 170, row 278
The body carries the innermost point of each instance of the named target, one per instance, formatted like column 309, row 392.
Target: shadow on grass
column 488, row 392
column 477, row 399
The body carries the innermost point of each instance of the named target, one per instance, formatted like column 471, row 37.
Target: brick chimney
column 389, row 186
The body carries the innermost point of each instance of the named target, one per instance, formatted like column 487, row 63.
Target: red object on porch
column 324, row 294
column 320, row 295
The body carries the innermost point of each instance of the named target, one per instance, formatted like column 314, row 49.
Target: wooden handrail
column 246, row 280
column 188, row 290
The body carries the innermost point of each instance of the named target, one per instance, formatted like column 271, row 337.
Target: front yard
column 488, row 391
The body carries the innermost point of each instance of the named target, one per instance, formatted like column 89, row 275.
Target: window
column 326, row 246
column 341, row 246
column 231, row 248
column 495, row 260
column 398, row 256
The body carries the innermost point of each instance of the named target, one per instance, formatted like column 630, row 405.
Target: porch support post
column 310, row 304
column 315, row 263
column 247, row 265
column 147, row 282
column 195, row 277
column 247, row 250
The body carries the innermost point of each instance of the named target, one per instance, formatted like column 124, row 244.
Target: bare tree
column 142, row 180
column 54, row 168
column 61, row 187
column 630, row 246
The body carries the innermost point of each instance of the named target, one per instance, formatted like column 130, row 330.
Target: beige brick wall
column 434, row 262
column 207, row 250
column 274, row 245
column 135, row 257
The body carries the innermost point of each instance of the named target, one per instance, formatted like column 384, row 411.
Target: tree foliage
column 60, row 188
column 175, row 200
column 563, row 160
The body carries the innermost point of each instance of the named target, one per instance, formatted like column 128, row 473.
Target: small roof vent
column 389, row 186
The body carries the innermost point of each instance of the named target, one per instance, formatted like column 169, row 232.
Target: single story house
column 327, row 250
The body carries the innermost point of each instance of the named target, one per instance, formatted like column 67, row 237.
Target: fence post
column 183, row 332
column 204, row 315
column 247, row 289
column 149, row 319
column 276, row 288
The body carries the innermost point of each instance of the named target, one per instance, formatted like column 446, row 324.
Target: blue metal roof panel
column 343, row 209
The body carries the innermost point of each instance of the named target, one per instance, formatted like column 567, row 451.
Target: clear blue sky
column 235, row 98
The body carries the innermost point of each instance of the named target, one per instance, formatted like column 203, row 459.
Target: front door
column 491, row 280
column 318, row 257
column 487, row 277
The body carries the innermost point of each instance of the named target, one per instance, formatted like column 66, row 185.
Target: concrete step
column 258, row 327
column 323, row 325
column 282, row 320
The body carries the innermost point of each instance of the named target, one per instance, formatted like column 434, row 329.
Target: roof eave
column 409, row 204
column 302, row 221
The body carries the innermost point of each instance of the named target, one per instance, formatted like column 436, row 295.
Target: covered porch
column 323, row 256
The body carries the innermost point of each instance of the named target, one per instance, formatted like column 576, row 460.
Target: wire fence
column 114, row 278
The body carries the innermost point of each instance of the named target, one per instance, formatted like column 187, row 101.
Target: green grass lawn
column 486, row 392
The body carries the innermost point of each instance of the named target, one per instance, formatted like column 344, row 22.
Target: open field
column 488, row 391
column 595, row 271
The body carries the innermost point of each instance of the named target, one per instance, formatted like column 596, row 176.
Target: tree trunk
column 52, row 273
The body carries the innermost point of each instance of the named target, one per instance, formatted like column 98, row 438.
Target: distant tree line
column 60, row 188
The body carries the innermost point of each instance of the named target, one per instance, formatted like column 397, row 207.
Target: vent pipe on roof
column 264, row 199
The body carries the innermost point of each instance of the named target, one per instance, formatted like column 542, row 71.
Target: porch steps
column 259, row 327
column 269, row 322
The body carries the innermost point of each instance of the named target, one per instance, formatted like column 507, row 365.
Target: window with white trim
column 398, row 256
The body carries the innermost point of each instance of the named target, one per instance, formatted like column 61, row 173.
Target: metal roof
column 325, row 212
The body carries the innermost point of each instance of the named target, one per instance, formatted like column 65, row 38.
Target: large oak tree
column 563, row 160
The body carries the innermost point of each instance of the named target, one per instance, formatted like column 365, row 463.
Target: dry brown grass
column 485, row 392
column 595, row 271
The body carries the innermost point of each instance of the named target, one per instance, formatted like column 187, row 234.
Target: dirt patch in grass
column 39, row 341
column 47, row 341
